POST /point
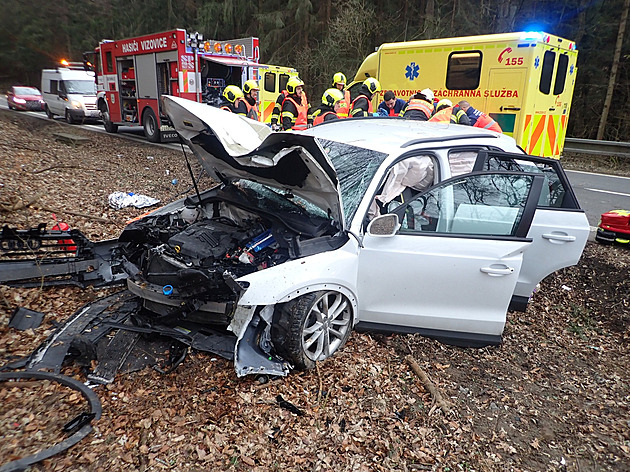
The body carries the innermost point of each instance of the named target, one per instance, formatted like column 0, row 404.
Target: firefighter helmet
column 293, row 83
column 444, row 103
column 332, row 96
column 250, row 85
column 372, row 85
column 231, row 93
column 339, row 78
column 428, row 93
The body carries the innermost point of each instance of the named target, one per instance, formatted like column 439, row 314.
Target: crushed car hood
column 231, row 147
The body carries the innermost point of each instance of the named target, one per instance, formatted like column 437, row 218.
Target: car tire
column 311, row 328
column 49, row 113
column 150, row 125
column 69, row 118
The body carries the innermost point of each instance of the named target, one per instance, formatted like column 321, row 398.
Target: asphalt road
column 597, row 193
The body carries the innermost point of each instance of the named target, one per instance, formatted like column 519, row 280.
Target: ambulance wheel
column 151, row 128
column 49, row 113
column 69, row 118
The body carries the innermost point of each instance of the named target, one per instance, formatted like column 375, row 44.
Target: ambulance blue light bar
column 532, row 36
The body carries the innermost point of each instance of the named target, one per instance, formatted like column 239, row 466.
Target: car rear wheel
column 311, row 328
column 151, row 128
column 49, row 113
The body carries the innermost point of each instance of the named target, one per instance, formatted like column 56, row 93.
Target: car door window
column 556, row 191
column 480, row 204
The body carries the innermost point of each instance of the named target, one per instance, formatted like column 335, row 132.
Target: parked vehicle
column 70, row 91
column 134, row 73
column 21, row 97
column 377, row 224
column 524, row 81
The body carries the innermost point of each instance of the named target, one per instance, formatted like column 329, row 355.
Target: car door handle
column 559, row 237
column 497, row 271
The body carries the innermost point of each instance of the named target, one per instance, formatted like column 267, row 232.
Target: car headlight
column 19, row 100
column 76, row 104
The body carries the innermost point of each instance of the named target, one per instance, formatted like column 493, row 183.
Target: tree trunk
column 613, row 69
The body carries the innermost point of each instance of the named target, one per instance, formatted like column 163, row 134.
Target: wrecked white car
column 377, row 224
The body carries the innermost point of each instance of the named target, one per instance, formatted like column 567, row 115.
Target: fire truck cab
column 133, row 74
column 523, row 80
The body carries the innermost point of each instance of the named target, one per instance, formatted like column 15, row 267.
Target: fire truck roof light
column 239, row 49
column 217, row 47
column 64, row 62
column 228, row 48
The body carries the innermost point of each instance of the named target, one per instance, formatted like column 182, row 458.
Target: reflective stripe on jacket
column 252, row 111
column 369, row 111
column 322, row 117
column 420, row 105
column 485, row 122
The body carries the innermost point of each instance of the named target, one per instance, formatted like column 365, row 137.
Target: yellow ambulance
column 272, row 81
column 524, row 81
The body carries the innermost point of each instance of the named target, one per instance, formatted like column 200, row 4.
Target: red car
column 21, row 97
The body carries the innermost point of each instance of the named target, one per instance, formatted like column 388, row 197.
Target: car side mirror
column 384, row 225
column 62, row 95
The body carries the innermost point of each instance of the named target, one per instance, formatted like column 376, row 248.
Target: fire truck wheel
column 107, row 122
column 49, row 113
column 150, row 124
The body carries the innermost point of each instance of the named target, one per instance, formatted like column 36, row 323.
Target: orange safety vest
column 443, row 116
column 252, row 111
column 370, row 108
column 344, row 105
column 301, row 120
column 485, row 122
column 421, row 105
column 320, row 118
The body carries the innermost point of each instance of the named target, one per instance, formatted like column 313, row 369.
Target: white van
column 70, row 93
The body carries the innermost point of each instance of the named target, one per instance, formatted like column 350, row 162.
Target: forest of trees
column 322, row 37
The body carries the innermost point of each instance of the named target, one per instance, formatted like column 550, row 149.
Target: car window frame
column 569, row 202
column 525, row 223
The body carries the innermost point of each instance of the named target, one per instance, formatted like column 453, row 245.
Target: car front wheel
column 311, row 328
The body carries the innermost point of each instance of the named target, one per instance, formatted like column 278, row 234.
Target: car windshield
column 81, row 87
column 355, row 169
column 26, row 91
column 274, row 200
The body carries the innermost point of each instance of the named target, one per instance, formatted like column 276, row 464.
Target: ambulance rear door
column 506, row 87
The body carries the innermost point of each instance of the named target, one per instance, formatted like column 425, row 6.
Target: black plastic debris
column 23, row 319
column 289, row 406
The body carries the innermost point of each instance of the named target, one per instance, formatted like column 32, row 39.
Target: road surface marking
column 607, row 191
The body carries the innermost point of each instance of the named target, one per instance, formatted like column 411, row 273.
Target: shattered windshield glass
column 274, row 200
column 355, row 168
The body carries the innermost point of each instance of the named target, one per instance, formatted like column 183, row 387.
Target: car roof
column 395, row 135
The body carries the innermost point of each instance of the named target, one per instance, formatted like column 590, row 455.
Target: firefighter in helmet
column 362, row 105
column 233, row 100
column 329, row 109
column 250, row 90
column 445, row 112
column 295, row 107
column 339, row 82
column 419, row 107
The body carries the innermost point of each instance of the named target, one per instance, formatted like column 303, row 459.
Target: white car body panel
column 436, row 282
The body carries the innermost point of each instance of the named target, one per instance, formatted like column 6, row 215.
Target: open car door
column 450, row 271
column 559, row 230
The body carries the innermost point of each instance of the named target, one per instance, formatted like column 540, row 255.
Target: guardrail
column 593, row 146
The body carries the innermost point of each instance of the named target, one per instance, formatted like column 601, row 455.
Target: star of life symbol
column 571, row 69
column 412, row 71
column 536, row 62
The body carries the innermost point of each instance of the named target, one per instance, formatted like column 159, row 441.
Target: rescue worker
column 419, row 107
column 362, row 105
column 250, row 89
column 233, row 100
column 329, row 109
column 339, row 82
column 391, row 106
column 445, row 112
column 295, row 107
column 479, row 119
column 277, row 109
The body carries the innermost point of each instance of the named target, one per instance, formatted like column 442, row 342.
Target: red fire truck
column 132, row 74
